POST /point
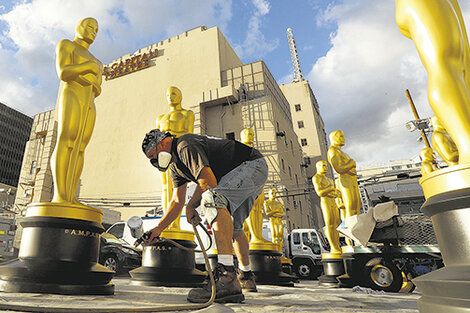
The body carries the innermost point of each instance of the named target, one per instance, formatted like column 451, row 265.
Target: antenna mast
column 294, row 56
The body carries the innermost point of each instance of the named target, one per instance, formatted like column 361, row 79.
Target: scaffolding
column 364, row 198
column 33, row 185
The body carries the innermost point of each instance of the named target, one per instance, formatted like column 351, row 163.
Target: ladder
column 364, row 198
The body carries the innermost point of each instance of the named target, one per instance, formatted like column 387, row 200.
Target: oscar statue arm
column 67, row 71
column 320, row 190
column 267, row 209
column 348, row 167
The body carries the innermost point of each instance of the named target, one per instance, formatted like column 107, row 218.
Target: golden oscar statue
column 265, row 259
column 61, row 238
column 438, row 31
column 346, row 168
column 178, row 122
column 327, row 192
column 325, row 189
column 443, row 144
column 255, row 219
column 275, row 211
column 428, row 161
column 164, row 265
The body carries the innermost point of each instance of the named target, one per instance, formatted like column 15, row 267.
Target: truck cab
column 305, row 249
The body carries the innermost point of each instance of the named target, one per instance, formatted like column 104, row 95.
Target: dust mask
column 163, row 161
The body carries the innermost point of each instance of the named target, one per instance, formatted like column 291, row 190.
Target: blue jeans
column 241, row 186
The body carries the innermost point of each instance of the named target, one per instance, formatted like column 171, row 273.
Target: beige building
column 225, row 95
column 308, row 123
column 310, row 129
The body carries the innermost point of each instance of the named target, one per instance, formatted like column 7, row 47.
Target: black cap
column 152, row 139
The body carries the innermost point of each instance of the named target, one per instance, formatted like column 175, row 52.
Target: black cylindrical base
column 332, row 268
column 267, row 267
column 58, row 255
column 448, row 289
column 164, row 264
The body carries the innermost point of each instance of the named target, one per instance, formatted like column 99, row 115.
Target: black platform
column 267, row 267
column 57, row 255
column 164, row 264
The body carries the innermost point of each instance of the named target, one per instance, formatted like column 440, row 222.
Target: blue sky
column 351, row 51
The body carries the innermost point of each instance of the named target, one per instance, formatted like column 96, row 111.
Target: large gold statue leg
column 331, row 219
column 437, row 29
column 87, row 131
column 68, row 132
column 348, row 206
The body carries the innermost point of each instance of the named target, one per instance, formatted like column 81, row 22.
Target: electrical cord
column 172, row 308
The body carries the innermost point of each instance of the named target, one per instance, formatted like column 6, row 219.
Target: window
column 290, row 172
column 297, row 108
column 296, row 238
column 303, row 142
column 33, row 167
column 307, row 161
column 296, row 179
column 117, row 230
column 300, row 124
column 282, row 165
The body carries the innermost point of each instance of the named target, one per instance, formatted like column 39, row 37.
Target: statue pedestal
column 59, row 252
column 332, row 268
column 165, row 264
column 448, row 205
column 266, row 264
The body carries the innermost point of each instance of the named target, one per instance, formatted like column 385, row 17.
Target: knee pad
column 209, row 205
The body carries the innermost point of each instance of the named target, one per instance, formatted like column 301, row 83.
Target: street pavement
column 306, row 296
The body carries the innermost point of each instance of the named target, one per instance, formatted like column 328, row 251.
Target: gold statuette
column 80, row 73
column 275, row 211
column 327, row 192
column 178, row 122
column 255, row 219
column 346, row 168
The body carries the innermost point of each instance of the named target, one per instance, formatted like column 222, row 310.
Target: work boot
column 247, row 281
column 227, row 287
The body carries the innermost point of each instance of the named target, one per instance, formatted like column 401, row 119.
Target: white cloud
column 360, row 83
column 262, row 6
column 27, row 46
column 255, row 44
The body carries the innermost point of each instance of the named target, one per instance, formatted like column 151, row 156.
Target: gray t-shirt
column 197, row 151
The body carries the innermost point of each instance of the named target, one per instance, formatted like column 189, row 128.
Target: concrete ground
column 306, row 296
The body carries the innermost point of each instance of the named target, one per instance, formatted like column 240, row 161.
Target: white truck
column 305, row 247
column 397, row 253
